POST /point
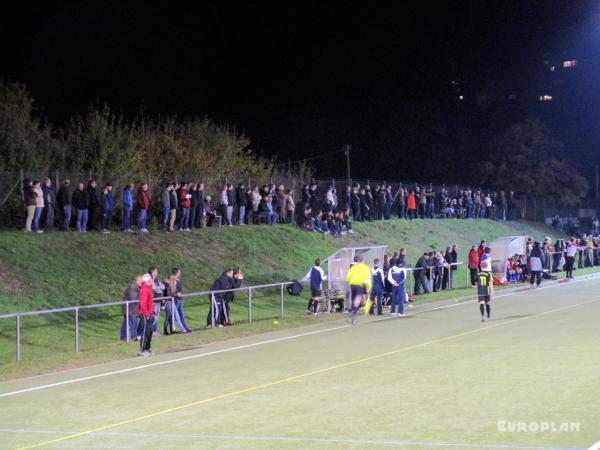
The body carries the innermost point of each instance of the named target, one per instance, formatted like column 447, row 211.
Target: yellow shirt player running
column 359, row 280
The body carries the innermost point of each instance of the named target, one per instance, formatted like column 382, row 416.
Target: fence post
column 450, row 277
column 467, row 275
column 127, row 330
column 249, row 304
column 213, row 310
column 281, row 314
column 77, row 330
column 18, row 338
column 173, row 313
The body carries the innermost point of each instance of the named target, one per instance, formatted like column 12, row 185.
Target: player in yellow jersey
column 359, row 280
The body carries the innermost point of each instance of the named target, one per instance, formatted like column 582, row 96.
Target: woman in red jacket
column 411, row 205
column 473, row 265
column 143, row 202
column 146, row 311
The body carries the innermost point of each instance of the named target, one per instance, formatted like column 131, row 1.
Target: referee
column 359, row 280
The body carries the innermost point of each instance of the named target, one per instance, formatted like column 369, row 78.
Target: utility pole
column 347, row 152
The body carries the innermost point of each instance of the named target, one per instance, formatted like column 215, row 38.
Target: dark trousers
column 106, row 215
column 49, row 218
column 215, row 312
column 91, row 217
column 402, row 211
column 535, row 277
column 473, row 273
column 569, row 263
column 146, row 332
column 420, row 282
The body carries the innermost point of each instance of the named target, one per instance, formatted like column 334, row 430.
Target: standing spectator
column 146, row 312
column 230, row 204
column 402, row 203
column 290, row 206
column 30, row 203
column 93, row 204
column 158, row 289
column 236, row 283
column 193, row 205
column 131, row 293
column 223, row 204
column 171, row 311
column 49, row 203
column 473, row 265
column 411, row 205
column 39, row 206
column 446, row 283
column 419, row 275
column 256, row 199
column 216, row 299
column 397, row 278
column 184, row 205
column 199, row 194
column 165, row 201
column 126, row 207
column 64, row 203
column 143, row 203
column 535, row 265
column 178, row 299
column 242, row 201
column 511, row 205
column 281, row 203
column 173, row 206
column 108, row 205
column 81, row 201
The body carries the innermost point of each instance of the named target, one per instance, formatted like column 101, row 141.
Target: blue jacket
column 378, row 278
column 316, row 275
column 127, row 199
column 108, row 202
column 397, row 275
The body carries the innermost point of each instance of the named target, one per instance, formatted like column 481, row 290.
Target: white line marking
column 256, row 344
column 297, row 439
column 595, row 446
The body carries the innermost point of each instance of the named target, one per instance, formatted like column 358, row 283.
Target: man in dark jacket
column 199, row 194
column 49, row 204
column 165, row 199
column 81, row 202
column 236, row 282
column 215, row 312
column 240, row 195
column 131, row 293
column 63, row 201
column 93, row 204
column 419, row 274
column 108, row 204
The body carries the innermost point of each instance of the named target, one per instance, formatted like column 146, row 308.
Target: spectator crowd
column 185, row 206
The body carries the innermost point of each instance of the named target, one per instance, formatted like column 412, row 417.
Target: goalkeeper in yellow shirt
column 359, row 280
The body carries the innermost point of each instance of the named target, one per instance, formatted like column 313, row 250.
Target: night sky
column 300, row 78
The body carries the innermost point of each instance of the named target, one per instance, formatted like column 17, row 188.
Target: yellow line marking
column 292, row 378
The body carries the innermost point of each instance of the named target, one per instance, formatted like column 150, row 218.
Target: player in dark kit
column 485, row 290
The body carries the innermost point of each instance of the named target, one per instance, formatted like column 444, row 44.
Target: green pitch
column 437, row 378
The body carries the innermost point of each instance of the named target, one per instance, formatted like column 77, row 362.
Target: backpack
column 294, row 288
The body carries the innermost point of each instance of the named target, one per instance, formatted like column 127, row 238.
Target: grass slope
column 55, row 270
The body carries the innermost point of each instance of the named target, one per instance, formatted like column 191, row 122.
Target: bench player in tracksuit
column 397, row 277
column 377, row 289
column 316, row 276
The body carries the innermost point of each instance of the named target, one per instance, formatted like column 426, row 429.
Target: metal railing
column 213, row 305
column 77, row 343
column 431, row 270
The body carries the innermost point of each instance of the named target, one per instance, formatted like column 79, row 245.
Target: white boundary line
column 256, row 344
column 321, row 440
column 595, row 446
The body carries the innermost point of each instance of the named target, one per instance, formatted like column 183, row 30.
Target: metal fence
column 76, row 310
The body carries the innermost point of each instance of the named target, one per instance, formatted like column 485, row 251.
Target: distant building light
column 512, row 97
column 568, row 64
column 545, row 98
column 552, row 68
column 461, row 97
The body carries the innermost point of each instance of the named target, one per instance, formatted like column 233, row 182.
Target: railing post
column 172, row 313
column 450, row 267
column 467, row 275
column 213, row 309
column 127, row 330
column 281, row 313
column 77, row 330
column 18, row 338
column 249, row 304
